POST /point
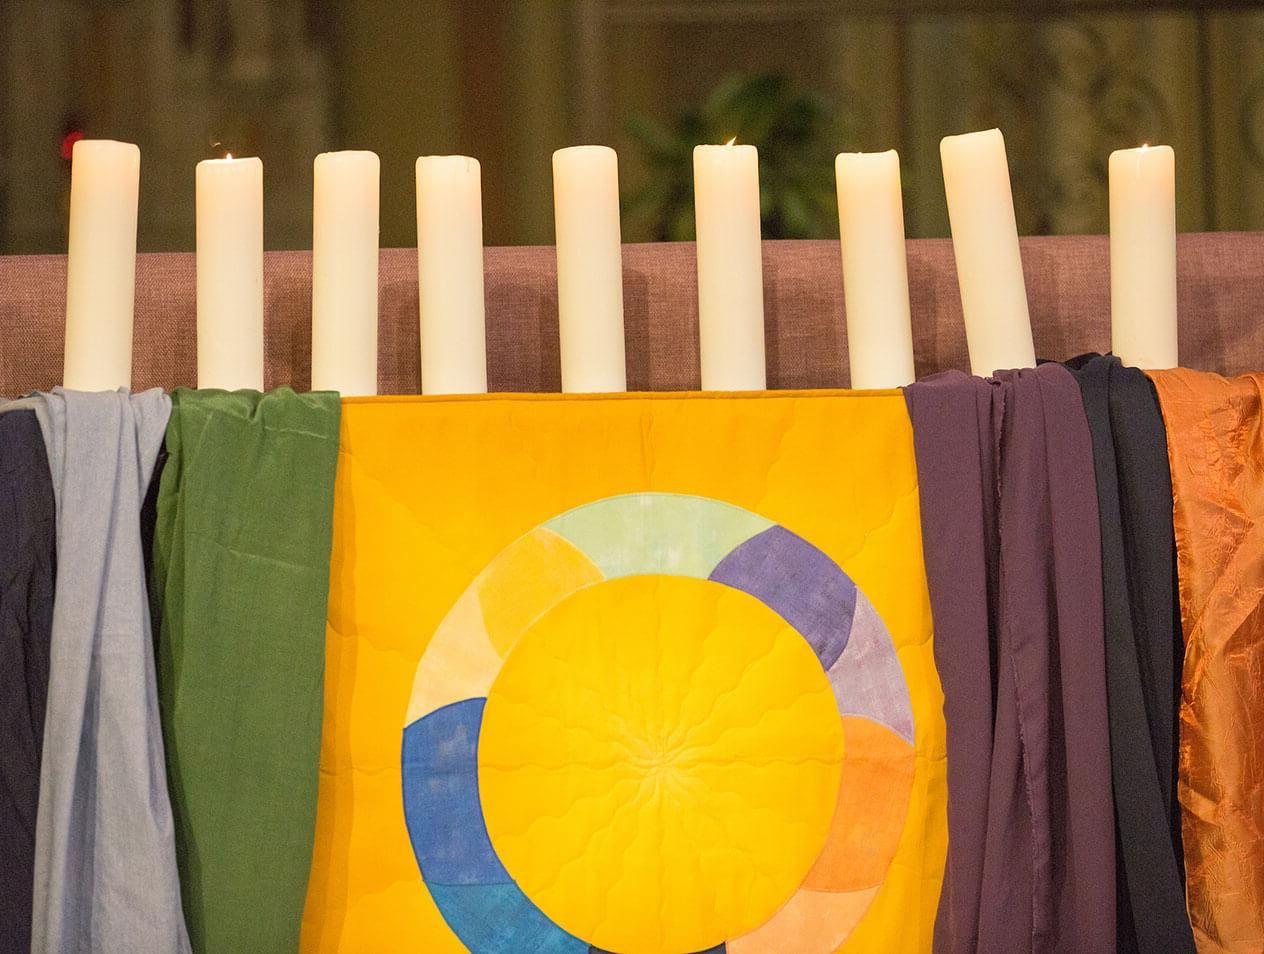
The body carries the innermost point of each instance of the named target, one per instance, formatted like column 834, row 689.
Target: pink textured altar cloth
column 1221, row 287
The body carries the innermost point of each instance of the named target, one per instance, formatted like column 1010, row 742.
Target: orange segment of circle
column 811, row 922
column 873, row 801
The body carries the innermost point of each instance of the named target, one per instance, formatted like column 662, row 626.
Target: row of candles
column 102, row 249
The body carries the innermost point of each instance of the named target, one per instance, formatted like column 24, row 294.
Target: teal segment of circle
column 671, row 534
column 499, row 919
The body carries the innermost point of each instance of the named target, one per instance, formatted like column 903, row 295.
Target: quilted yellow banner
column 630, row 673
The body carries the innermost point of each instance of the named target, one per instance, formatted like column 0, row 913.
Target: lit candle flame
column 731, row 141
column 228, row 155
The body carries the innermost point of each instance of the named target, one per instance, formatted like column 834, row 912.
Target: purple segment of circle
column 799, row 582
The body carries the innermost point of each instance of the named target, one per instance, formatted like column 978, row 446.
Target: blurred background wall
column 510, row 81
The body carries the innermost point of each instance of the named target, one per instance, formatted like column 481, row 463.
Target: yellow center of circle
column 659, row 763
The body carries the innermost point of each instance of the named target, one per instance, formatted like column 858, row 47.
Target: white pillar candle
column 875, row 269
column 985, row 243
column 450, row 275
column 1143, row 256
column 589, row 269
column 230, row 274
column 101, row 265
column 344, row 272
column 730, row 268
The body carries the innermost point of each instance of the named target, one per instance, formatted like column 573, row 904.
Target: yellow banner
column 633, row 673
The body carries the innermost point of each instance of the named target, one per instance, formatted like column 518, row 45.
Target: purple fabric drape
column 1013, row 562
column 28, row 567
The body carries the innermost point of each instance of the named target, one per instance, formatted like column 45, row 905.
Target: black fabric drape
column 1143, row 649
column 28, row 546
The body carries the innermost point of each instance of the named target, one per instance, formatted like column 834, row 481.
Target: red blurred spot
column 68, row 142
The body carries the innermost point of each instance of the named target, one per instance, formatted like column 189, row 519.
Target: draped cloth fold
column 28, row 562
column 240, row 580
column 1012, row 550
column 105, row 874
column 1215, row 441
column 1143, row 649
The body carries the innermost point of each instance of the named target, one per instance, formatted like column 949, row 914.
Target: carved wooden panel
column 184, row 80
column 1067, row 83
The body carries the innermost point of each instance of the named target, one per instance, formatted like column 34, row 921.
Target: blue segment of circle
column 441, row 803
column 500, row 919
column 470, row 887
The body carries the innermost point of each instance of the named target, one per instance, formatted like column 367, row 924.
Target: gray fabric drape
column 105, row 866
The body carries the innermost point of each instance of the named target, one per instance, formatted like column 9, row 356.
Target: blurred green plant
column 793, row 129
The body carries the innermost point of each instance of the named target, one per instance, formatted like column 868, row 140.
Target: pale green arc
column 672, row 534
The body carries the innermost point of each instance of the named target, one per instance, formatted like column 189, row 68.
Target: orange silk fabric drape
column 1216, row 449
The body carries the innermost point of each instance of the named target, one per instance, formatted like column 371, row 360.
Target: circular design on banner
column 762, row 624
column 685, row 762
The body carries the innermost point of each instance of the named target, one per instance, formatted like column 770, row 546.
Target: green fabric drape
column 240, row 584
